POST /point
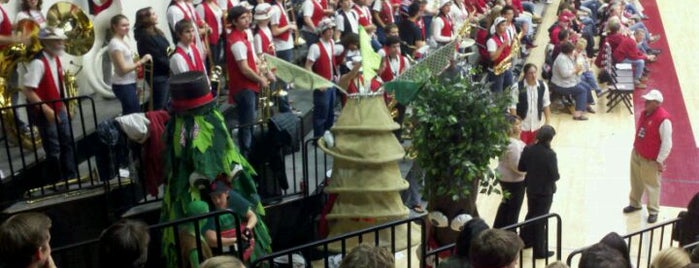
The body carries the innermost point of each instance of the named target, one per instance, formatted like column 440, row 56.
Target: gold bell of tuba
column 215, row 80
column 10, row 57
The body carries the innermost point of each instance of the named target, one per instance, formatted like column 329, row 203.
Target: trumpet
column 215, row 80
column 141, row 72
column 71, row 86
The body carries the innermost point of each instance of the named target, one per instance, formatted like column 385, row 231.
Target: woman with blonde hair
column 671, row 258
column 122, row 56
column 511, row 180
column 222, row 262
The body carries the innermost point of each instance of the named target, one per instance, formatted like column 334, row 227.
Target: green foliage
column 459, row 126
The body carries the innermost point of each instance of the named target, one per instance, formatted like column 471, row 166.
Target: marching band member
column 184, row 10
column 187, row 57
column 263, row 35
column 43, row 82
column 245, row 81
column 213, row 16
column 382, row 13
column 124, row 78
column 313, row 12
column 498, row 47
column 321, row 60
column 442, row 25
column 346, row 20
column 281, row 30
column 31, row 9
column 394, row 64
column 151, row 40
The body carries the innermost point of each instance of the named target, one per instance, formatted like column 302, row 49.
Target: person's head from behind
column 25, row 240
column 601, row 256
column 693, row 206
column 124, row 245
column 366, row 255
column 671, row 258
column 471, row 229
column 222, row 262
column 616, row 242
column 515, row 125
column 495, row 248
column 350, row 41
column 185, row 31
column 695, row 255
column 557, row 264
column 545, row 135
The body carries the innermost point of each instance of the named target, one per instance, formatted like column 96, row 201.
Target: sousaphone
column 81, row 37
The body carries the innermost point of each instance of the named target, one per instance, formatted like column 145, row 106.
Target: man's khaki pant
column 644, row 177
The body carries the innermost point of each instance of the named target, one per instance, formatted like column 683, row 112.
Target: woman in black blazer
column 541, row 165
column 151, row 40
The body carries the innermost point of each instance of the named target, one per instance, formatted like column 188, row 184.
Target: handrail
column 630, row 237
column 532, row 221
column 359, row 233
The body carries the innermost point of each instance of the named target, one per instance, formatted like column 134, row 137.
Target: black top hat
column 189, row 90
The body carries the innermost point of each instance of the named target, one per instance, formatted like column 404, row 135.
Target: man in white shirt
column 651, row 147
column 346, row 20
column 43, row 83
column 186, row 57
column 530, row 100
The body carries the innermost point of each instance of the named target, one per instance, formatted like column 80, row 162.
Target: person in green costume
column 197, row 149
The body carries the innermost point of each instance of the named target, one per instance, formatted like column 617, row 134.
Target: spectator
column 26, row 241
column 601, row 256
column 671, row 258
column 587, row 77
column 557, row 264
column 124, row 245
column 541, row 164
column 410, row 33
column 223, row 261
column 564, row 81
column 365, row 255
column 495, row 248
column 624, row 49
column 614, row 241
column 687, row 231
column 511, row 180
column 470, row 230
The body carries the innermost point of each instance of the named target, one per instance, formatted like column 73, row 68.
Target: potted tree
column 459, row 126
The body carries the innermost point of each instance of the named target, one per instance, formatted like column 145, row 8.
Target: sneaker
column 630, row 209
column 652, row 218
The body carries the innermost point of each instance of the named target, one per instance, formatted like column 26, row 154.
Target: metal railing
column 28, row 172
column 543, row 219
column 652, row 238
column 86, row 253
column 373, row 234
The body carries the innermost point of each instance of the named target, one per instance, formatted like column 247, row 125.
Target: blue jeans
column 589, row 79
column 283, row 102
column 323, row 113
column 246, row 102
column 640, row 25
column 128, row 98
column 160, row 91
column 638, row 66
column 579, row 94
column 500, row 82
column 57, row 142
column 380, row 35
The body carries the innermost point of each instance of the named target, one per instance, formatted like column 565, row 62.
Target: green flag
column 370, row 59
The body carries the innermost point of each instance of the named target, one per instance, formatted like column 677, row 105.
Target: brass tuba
column 10, row 56
column 81, row 37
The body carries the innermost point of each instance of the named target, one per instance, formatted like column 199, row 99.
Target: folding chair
column 621, row 84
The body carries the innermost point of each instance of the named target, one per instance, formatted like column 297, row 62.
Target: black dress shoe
column 548, row 254
column 652, row 218
column 630, row 209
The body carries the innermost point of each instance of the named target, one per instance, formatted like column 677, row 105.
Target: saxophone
column 506, row 63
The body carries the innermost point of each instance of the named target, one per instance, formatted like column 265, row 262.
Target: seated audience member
column 124, row 245
column 686, row 231
column 470, row 230
column 557, row 264
column 616, row 242
column 671, row 258
column 624, row 50
column 601, row 256
column 222, row 262
column 366, row 255
column 25, row 241
column 587, row 76
column 564, row 81
column 495, row 248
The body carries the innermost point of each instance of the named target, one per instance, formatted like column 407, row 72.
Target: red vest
column 322, row 65
column 187, row 12
column 283, row 22
column 647, row 142
column 197, row 64
column 266, row 43
column 363, row 18
column 354, row 85
column 237, row 80
column 318, row 14
column 46, row 90
column 499, row 43
column 387, row 74
column 230, row 4
column 386, row 13
column 212, row 21
column 5, row 25
column 447, row 29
